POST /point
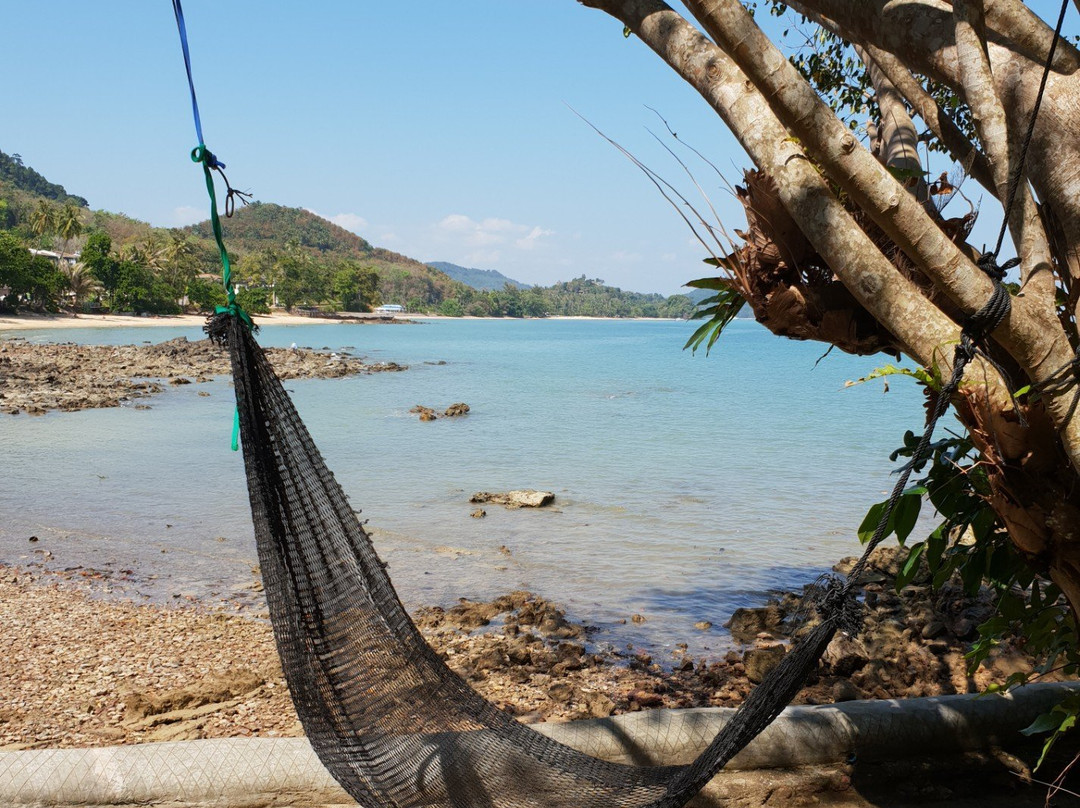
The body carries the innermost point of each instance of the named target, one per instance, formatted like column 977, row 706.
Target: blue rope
column 178, row 10
column 201, row 154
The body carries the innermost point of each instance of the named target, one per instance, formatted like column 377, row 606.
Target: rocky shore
column 86, row 671
column 36, row 378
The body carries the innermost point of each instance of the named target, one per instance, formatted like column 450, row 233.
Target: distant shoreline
column 32, row 322
column 28, row 322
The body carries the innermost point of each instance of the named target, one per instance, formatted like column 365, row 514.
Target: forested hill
column 23, row 178
column 263, row 225
column 266, row 228
column 486, row 280
column 281, row 256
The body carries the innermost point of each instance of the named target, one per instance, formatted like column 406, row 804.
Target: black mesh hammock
column 392, row 723
column 389, row 720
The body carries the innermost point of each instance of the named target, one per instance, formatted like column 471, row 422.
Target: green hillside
column 281, row 256
column 261, row 225
column 262, row 233
column 23, row 178
column 278, row 252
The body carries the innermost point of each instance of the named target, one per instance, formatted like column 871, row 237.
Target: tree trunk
column 911, row 274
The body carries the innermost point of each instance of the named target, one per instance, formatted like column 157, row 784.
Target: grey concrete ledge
column 214, row 770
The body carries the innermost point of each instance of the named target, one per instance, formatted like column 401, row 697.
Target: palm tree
column 149, row 254
column 79, row 282
column 68, row 224
column 179, row 266
column 43, row 218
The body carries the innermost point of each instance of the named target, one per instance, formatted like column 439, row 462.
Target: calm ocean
column 686, row 486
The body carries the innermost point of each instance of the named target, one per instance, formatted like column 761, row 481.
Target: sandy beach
column 27, row 322
column 87, row 668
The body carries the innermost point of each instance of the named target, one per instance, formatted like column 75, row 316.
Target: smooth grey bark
column 1034, row 486
column 920, row 34
column 873, row 279
column 898, row 138
column 943, row 127
column 1036, row 269
column 1034, row 338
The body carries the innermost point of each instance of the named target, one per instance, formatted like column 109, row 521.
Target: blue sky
column 443, row 131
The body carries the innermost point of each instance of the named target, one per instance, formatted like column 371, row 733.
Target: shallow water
column 686, row 486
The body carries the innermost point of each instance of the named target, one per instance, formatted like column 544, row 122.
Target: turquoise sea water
column 686, row 486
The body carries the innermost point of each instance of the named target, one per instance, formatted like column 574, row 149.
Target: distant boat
column 390, row 308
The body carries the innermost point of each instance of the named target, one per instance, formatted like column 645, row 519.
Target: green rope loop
column 201, row 154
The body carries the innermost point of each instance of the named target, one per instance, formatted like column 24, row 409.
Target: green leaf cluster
column 972, row 544
column 721, row 308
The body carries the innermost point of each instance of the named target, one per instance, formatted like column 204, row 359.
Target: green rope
column 201, row 154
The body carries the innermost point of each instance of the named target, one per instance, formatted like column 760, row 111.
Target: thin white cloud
column 350, row 221
column 186, row 214
column 488, row 233
column 531, row 241
column 480, row 258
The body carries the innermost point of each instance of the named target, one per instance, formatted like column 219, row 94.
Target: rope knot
column 233, row 310
column 201, row 154
column 990, row 316
column 832, row 597
column 988, row 263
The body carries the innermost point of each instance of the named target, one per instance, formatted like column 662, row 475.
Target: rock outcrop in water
column 515, row 499
column 35, row 378
column 430, row 414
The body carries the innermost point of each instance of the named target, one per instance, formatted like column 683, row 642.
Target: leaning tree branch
column 897, row 134
column 921, row 31
column 1025, row 224
column 943, row 127
column 939, row 122
column 1028, row 34
column 873, row 279
column 1035, row 340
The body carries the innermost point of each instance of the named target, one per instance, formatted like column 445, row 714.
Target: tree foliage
column 27, row 281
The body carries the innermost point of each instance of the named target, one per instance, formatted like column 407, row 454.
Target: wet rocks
column 35, row 378
column 746, row 624
column 430, row 414
column 526, row 498
column 757, row 662
column 425, row 413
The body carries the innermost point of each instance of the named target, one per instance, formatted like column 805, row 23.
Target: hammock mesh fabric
column 391, row 722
